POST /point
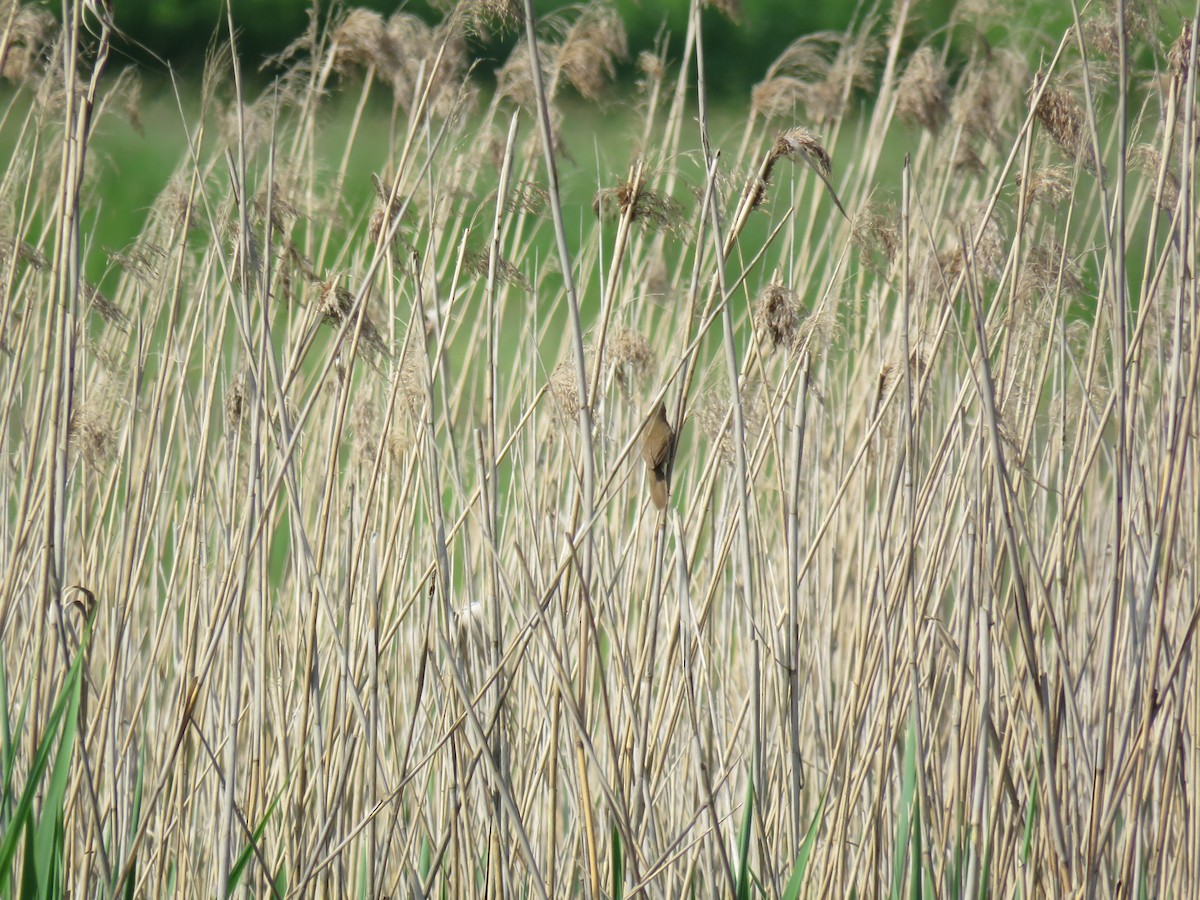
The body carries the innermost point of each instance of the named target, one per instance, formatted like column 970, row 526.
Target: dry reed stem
column 430, row 609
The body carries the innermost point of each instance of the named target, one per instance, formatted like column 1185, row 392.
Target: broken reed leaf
column 808, row 145
column 795, row 141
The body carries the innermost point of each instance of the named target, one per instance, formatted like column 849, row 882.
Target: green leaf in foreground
column 618, row 866
column 22, row 821
column 792, row 890
column 235, row 874
column 743, row 879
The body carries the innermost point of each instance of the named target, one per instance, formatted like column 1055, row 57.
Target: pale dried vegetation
column 350, row 484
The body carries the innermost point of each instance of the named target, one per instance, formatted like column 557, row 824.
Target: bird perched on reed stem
column 658, row 450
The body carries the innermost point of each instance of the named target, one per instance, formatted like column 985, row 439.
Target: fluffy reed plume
column 92, row 434
column 921, row 95
column 1060, row 115
column 141, row 260
column 876, row 235
column 483, row 17
column 583, row 53
column 247, row 255
column 235, row 402
column 337, row 310
column 715, row 417
column 25, row 252
column 362, row 39
column 94, row 298
column 1047, row 270
column 283, row 212
column 987, row 237
column 1050, row 185
column 564, row 388
column 526, row 197
column 644, row 205
column 973, row 108
column 818, row 72
column 731, row 9
column 1148, row 160
column 412, row 391
column 364, row 425
column 653, row 69
column 129, row 91
column 1100, row 28
column 514, row 80
column 778, row 314
column 628, row 357
column 96, row 418
column 403, row 50
column 795, row 76
column 591, row 48
column 476, row 263
column 24, row 55
column 1179, row 57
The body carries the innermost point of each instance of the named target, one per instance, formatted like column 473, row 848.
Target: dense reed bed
column 329, row 565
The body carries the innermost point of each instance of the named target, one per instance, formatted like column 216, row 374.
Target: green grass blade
column 243, row 859
column 29, row 886
column 22, row 817
column 618, row 866
column 10, row 753
column 792, row 890
column 134, row 820
column 743, row 878
column 49, row 827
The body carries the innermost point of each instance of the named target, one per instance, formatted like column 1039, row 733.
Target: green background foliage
column 180, row 30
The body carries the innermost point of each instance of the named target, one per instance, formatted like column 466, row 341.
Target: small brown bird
column 658, row 450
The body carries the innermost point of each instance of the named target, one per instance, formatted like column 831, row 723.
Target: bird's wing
column 657, row 452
